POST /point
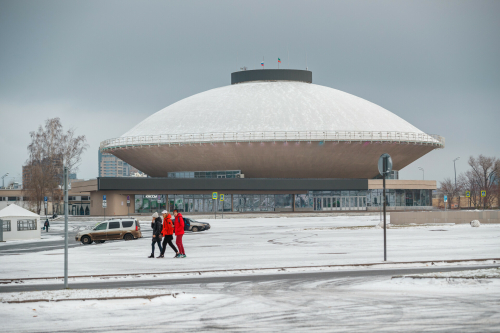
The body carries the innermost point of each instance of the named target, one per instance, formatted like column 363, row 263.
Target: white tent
column 20, row 223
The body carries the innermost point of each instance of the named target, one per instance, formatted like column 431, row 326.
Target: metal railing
column 283, row 136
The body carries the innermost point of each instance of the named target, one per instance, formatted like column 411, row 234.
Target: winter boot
column 151, row 256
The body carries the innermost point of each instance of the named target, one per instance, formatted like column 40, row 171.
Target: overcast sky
column 103, row 66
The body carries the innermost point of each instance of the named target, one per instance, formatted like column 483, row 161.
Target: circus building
column 271, row 141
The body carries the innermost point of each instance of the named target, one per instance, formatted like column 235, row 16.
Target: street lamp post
column 455, row 168
column 423, row 173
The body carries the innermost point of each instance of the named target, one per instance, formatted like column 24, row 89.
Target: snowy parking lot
column 254, row 243
column 306, row 302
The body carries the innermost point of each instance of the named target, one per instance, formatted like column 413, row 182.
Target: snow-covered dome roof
column 268, row 106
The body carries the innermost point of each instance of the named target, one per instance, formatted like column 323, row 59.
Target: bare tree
column 467, row 183
column 448, row 188
column 50, row 149
column 485, row 175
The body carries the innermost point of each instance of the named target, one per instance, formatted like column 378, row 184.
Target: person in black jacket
column 157, row 227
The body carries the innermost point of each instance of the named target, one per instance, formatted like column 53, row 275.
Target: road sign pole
column 46, row 207
column 215, row 197
column 128, row 205
column 384, row 203
column 384, row 168
column 222, row 203
column 66, row 227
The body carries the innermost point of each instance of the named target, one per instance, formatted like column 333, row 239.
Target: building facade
column 271, row 141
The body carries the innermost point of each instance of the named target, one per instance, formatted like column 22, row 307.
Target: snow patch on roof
column 14, row 210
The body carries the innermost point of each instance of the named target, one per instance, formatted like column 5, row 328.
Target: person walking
column 167, row 232
column 179, row 232
column 46, row 225
column 156, row 225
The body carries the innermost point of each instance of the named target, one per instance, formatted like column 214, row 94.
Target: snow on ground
column 376, row 304
column 265, row 243
column 488, row 273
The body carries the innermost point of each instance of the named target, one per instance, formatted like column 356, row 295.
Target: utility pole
column 423, row 174
column 65, row 175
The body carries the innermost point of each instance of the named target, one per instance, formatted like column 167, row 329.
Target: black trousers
column 168, row 240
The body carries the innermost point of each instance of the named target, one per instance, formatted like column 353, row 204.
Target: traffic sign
column 214, row 195
column 45, row 199
column 445, row 198
column 104, row 204
column 104, row 197
column 467, row 194
column 483, row 193
column 222, row 197
column 128, row 199
column 385, row 168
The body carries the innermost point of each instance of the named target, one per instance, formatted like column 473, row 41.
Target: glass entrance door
column 327, row 203
column 345, row 203
column 318, row 203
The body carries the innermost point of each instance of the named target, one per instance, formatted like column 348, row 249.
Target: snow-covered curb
column 83, row 294
column 240, row 272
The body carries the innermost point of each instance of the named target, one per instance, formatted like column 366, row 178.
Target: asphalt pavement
column 247, row 278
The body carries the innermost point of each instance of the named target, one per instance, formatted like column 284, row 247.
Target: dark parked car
column 195, row 226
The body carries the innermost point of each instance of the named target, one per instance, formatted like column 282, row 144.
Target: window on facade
column 23, row 225
column 12, row 198
column 6, row 225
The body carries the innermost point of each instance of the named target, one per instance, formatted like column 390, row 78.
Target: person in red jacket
column 179, row 232
column 167, row 232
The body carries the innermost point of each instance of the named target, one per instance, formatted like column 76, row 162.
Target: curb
column 16, row 280
column 91, row 299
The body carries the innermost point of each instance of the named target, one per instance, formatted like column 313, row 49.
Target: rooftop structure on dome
column 272, row 124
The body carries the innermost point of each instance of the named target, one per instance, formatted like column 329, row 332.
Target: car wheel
column 128, row 237
column 86, row 240
column 194, row 229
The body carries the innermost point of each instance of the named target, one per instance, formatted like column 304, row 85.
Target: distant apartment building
column 112, row 166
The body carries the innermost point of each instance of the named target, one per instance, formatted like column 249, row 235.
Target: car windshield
column 102, row 226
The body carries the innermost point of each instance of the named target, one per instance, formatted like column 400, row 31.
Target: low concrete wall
column 487, row 216
column 399, row 208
